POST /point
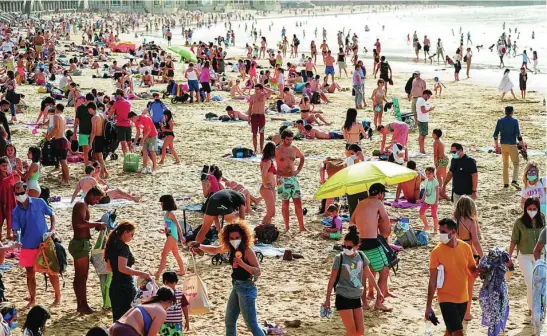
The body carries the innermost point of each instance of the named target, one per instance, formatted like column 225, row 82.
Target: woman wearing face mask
column 237, row 239
column 468, row 230
column 8, row 318
column 534, row 186
column 350, row 270
column 525, row 235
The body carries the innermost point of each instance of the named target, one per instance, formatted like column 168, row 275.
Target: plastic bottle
column 427, row 328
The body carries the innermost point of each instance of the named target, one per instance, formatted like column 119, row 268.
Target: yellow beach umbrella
column 359, row 177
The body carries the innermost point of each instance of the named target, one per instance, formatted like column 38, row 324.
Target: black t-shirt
column 120, row 249
column 224, row 202
column 82, row 114
column 461, row 170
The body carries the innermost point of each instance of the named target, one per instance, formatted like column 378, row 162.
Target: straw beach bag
column 97, row 255
column 196, row 293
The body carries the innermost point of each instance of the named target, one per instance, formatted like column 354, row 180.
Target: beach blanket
column 65, row 203
column 229, row 121
column 5, row 267
column 255, row 158
column 401, row 204
column 268, row 250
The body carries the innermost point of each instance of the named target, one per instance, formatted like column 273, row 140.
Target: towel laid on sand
column 65, row 203
column 401, row 204
column 268, row 250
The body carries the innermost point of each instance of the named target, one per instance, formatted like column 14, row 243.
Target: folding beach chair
column 408, row 117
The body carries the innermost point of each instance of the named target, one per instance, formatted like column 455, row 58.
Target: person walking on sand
column 357, row 88
column 349, row 272
column 467, row 60
column 121, row 109
column 174, row 235
column 510, row 134
column 60, row 143
column 427, row 44
column 370, row 218
column 430, row 199
column 96, row 138
column 506, row 85
column 525, row 59
column 385, row 72
column 464, row 170
column 423, row 109
column 417, row 91
column 269, row 177
column 257, row 119
column 523, row 78
column 453, row 260
column 440, row 160
column 29, row 226
column 440, row 51
column 288, row 187
column 80, row 248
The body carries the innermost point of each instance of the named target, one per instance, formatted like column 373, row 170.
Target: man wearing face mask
column 371, row 219
column 29, row 226
column 449, row 264
column 80, row 247
column 463, row 169
column 510, row 134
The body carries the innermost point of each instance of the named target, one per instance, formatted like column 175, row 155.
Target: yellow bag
column 46, row 261
column 42, row 89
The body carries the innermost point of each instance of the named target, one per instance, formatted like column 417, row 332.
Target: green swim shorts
column 171, row 329
column 335, row 235
column 377, row 258
column 83, row 139
column 288, row 188
column 79, row 248
column 442, row 162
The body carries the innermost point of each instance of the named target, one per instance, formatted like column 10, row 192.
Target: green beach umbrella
column 184, row 52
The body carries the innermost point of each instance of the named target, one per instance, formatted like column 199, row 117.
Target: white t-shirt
column 143, row 69
column 398, row 154
column 285, row 108
column 537, row 190
column 63, row 82
column 7, row 46
column 422, row 117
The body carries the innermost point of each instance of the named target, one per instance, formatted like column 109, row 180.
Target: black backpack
column 242, row 152
column 48, row 154
column 315, row 98
column 266, row 233
column 408, row 86
column 110, row 131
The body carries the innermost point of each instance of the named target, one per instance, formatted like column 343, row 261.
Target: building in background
column 169, row 6
column 41, row 6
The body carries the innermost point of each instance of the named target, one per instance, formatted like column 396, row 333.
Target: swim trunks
column 258, row 121
column 61, row 148
column 335, row 235
column 336, row 135
column 375, row 253
column 79, row 248
column 171, row 329
column 442, row 162
column 422, row 128
column 124, row 133
column 329, row 70
column 98, row 144
column 288, row 188
column 83, row 139
column 151, row 144
column 27, row 258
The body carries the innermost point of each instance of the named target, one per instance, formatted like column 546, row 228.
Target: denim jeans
column 242, row 299
column 358, row 95
column 12, row 109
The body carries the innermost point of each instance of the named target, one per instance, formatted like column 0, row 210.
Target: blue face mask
column 532, row 177
column 455, row 156
column 14, row 325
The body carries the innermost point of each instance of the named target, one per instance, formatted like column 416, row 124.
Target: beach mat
column 401, row 204
column 6, row 266
column 268, row 250
column 65, row 203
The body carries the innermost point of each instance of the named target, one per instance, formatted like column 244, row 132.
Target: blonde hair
column 528, row 167
column 466, row 207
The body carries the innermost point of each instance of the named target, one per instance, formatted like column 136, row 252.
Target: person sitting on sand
column 147, row 80
column 249, row 199
column 95, row 65
column 315, row 133
column 40, row 77
column 236, row 115
column 235, row 91
column 330, row 88
column 410, row 189
column 308, row 113
column 288, row 97
column 88, row 182
column 335, row 230
column 315, row 87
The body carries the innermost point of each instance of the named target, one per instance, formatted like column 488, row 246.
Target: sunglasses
column 532, row 171
column 453, row 152
column 347, row 247
column 20, row 193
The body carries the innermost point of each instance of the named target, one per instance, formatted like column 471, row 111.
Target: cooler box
column 131, row 162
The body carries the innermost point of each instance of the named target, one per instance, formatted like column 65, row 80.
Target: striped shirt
column 174, row 313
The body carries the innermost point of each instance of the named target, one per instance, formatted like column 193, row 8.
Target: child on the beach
column 440, row 160
column 173, row 322
column 335, row 230
column 430, row 199
column 438, row 86
column 173, row 232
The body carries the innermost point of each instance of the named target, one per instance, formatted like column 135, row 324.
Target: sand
column 292, row 290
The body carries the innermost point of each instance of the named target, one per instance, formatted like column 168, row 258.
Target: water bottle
column 427, row 328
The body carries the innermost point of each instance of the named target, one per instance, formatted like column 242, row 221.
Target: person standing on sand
column 464, row 170
column 523, row 78
column 269, row 176
column 440, row 160
column 79, row 247
column 121, row 109
column 440, row 51
column 257, row 119
column 506, row 85
column 427, row 44
column 288, row 187
column 29, row 226
column 82, row 122
column 510, row 133
column 417, row 91
column 329, row 65
column 385, row 71
column 467, row 60
column 96, row 138
column 60, row 143
column 149, row 140
column 423, row 109
column 456, row 259
column 357, row 88
column 371, row 219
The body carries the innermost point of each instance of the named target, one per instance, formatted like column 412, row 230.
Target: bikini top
column 469, row 231
column 146, row 318
column 272, row 168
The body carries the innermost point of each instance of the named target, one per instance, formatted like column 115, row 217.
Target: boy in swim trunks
column 440, row 160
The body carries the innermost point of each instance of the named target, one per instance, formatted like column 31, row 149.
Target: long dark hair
column 246, row 238
column 169, row 116
column 268, row 153
column 36, row 153
column 352, row 235
column 116, row 235
column 279, row 102
column 526, row 219
column 36, row 320
column 164, row 294
column 351, row 117
column 168, row 203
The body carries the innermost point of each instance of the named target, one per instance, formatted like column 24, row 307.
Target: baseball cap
column 416, row 72
column 376, row 188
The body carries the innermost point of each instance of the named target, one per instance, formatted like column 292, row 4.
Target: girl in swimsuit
column 468, row 230
column 167, row 128
column 33, row 172
column 440, row 161
column 378, row 98
column 15, row 164
column 263, row 46
column 269, row 181
column 307, row 112
column 173, row 232
column 352, row 129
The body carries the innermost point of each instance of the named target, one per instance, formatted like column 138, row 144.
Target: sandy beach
column 466, row 112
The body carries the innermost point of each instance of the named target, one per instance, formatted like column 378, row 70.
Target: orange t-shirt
column 456, row 262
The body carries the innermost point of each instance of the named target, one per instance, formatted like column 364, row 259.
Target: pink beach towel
column 401, row 204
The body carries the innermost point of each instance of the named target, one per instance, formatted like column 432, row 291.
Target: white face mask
column 443, row 237
column 349, row 252
column 21, row 198
column 532, row 213
column 235, row 243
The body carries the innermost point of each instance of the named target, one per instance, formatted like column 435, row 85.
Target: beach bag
column 46, row 261
column 42, row 89
column 48, row 156
column 266, row 233
column 97, row 255
column 242, row 152
column 315, row 98
column 146, row 290
column 299, row 87
column 422, row 237
column 196, row 293
column 405, row 235
column 391, row 254
column 131, row 162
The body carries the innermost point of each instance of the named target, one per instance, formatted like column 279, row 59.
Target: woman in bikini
column 263, row 45
column 378, row 98
column 468, row 230
column 353, row 130
column 308, row 114
column 313, row 49
column 269, row 181
column 167, row 127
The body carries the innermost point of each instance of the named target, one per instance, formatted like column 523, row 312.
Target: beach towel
column 299, row 87
column 65, row 203
column 418, row 155
column 5, row 267
column 401, row 204
column 268, row 250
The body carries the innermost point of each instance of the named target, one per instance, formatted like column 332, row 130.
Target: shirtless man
column 257, row 119
column 288, row 98
column 371, row 219
column 287, row 188
column 410, row 189
column 80, row 247
column 324, row 49
column 440, row 160
column 96, row 139
column 235, row 91
column 236, row 115
column 39, row 45
column 329, row 65
column 87, row 182
column 315, row 133
column 60, row 143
